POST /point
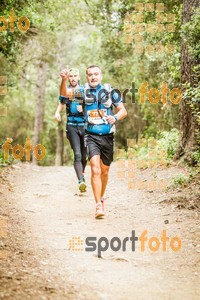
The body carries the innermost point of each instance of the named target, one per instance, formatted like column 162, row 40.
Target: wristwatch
column 116, row 117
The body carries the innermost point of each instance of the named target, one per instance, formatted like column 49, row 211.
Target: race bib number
column 95, row 117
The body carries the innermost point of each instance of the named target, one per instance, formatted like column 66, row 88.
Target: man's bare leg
column 96, row 177
column 104, row 177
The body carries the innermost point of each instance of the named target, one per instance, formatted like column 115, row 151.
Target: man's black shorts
column 102, row 145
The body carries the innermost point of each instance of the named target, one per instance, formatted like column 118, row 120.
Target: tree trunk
column 59, row 145
column 188, row 120
column 39, row 112
column 60, row 138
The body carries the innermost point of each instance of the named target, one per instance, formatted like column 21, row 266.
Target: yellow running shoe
column 82, row 187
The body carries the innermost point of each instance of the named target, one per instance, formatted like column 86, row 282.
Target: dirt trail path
column 44, row 212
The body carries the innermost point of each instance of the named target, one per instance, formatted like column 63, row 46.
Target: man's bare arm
column 121, row 111
column 59, row 109
column 63, row 87
column 120, row 115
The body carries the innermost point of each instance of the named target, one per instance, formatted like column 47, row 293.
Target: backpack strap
column 108, row 87
column 88, row 100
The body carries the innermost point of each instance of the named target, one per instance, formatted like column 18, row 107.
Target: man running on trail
column 100, row 128
column 73, row 98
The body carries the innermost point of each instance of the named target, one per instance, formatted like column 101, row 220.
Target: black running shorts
column 102, row 145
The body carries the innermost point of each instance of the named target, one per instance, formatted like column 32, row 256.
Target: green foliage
column 191, row 33
column 161, row 150
column 180, row 180
column 121, row 65
column 4, row 162
column 196, row 157
column 80, row 33
column 168, row 141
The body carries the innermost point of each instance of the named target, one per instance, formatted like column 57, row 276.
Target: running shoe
column 82, row 186
column 99, row 211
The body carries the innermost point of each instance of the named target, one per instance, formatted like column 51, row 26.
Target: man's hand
column 111, row 119
column 57, row 116
column 65, row 73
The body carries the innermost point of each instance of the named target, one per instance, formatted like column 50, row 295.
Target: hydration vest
column 98, row 105
column 75, row 98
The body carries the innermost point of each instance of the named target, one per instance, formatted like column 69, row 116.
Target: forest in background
column 81, row 33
